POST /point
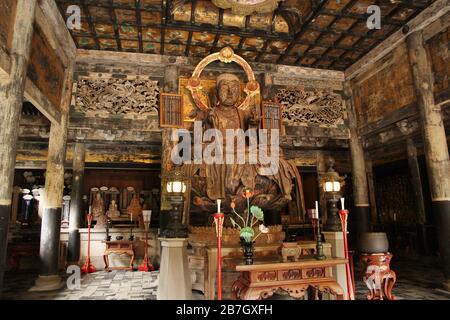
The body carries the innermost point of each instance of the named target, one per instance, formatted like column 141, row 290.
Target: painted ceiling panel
column 203, row 38
column 151, row 34
column 233, row 20
column 228, row 40
column 334, row 35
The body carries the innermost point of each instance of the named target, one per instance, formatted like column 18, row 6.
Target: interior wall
column 45, row 68
column 7, row 17
column 439, row 51
column 379, row 92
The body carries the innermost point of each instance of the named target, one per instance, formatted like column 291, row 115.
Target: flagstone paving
column 417, row 280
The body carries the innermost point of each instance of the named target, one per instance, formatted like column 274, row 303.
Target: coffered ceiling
column 328, row 34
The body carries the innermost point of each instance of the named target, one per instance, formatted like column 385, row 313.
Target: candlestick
column 218, row 205
column 342, row 203
column 317, row 209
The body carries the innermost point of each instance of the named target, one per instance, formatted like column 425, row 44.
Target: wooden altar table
column 262, row 280
column 118, row 247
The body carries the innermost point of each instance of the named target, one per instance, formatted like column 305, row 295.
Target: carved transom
column 117, row 96
column 301, row 106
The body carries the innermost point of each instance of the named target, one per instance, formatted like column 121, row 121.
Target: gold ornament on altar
column 247, row 7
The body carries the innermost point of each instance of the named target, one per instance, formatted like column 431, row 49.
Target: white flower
column 263, row 228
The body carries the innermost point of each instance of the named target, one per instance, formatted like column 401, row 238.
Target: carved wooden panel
column 303, row 107
column 117, row 97
column 386, row 90
column 271, row 115
column 7, row 13
column 439, row 47
column 45, row 68
column 314, row 273
column 171, row 110
column 292, row 274
column 267, row 276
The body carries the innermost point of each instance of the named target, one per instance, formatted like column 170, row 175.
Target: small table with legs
column 118, row 247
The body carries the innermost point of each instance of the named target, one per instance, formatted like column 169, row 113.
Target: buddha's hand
column 200, row 115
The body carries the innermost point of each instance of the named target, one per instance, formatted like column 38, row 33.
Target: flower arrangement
column 251, row 217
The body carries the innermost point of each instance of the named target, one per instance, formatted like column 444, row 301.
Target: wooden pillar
column 416, row 183
column 359, row 177
column 76, row 204
column 435, row 144
column 51, row 218
column 415, row 180
column 321, row 170
column 17, row 191
column 371, row 186
column 53, row 199
column 170, row 86
column 11, row 99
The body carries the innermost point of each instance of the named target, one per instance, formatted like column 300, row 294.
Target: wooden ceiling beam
column 91, row 23
column 220, row 26
column 192, row 21
column 344, row 9
column 165, row 17
column 315, row 12
column 151, row 8
column 139, row 23
column 360, row 17
column 251, row 33
column 112, row 14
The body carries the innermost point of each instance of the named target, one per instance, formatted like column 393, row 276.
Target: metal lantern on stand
column 332, row 184
column 146, row 265
column 176, row 184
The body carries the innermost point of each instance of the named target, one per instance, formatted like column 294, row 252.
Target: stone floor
column 417, row 280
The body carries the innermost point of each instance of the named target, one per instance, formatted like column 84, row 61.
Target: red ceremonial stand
column 88, row 267
column 218, row 220
column 343, row 214
column 146, row 266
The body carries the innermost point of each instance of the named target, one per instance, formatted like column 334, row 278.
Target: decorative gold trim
column 226, row 55
column 245, row 9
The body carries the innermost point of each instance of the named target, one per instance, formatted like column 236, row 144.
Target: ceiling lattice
column 327, row 34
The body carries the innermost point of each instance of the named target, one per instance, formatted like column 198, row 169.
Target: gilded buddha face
column 228, row 89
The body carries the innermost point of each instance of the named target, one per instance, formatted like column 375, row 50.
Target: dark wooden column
column 54, row 187
column 170, row 86
column 51, row 218
column 435, row 144
column 11, row 99
column 371, row 186
column 321, row 170
column 76, row 203
column 359, row 177
column 416, row 182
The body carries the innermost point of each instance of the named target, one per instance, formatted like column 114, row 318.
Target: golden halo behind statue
column 225, row 55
